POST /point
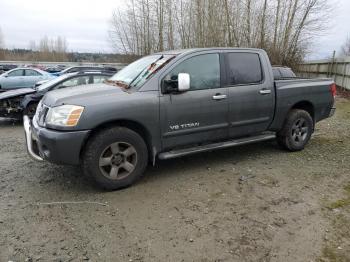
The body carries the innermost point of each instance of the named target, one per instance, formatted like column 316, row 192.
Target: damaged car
column 16, row 103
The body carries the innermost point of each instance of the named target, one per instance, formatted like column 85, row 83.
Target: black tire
column 296, row 131
column 111, row 145
column 30, row 110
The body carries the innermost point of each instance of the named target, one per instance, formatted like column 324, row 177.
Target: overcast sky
column 85, row 24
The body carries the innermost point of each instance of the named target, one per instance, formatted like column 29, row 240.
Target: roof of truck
column 191, row 50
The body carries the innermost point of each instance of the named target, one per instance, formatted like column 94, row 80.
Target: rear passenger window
column 244, row 69
column 76, row 81
column 29, row 72
column 100, row 79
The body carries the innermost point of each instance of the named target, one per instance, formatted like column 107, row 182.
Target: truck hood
column 16, row 92
column 82, row 95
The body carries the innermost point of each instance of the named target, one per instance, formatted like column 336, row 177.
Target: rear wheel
column 115, row 158
column 296, row 131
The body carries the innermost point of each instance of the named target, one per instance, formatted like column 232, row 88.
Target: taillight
column 333, row 89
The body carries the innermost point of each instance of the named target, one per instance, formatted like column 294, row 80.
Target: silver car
column 22, row 77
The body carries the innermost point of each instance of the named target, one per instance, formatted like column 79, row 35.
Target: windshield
column 138, row 72
column 52, row 82
column 66, row 70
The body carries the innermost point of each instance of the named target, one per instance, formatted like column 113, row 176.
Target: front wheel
column 115, row 158
column 296, row 131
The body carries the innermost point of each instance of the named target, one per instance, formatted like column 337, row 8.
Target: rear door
column 200, row 114
column 251, row 93
column 31, row 77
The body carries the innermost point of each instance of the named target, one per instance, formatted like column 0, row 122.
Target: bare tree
column 345, row 49
column 284, row 28
column 50, row 49
column 2, row 45
column 32, row 45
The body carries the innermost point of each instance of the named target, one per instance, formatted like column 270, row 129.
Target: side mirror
column 183, row 82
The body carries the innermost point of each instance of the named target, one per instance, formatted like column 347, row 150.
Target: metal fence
column 49, row 64
column 336, row 68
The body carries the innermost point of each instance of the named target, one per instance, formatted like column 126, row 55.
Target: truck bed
column 313, row 92
column 299, row 80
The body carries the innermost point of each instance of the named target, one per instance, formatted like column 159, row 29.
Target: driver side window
column 18, row 72
column 204, row 71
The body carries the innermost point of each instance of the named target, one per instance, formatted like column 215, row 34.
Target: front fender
column 28, row 99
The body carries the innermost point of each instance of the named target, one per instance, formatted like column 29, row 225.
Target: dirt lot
column 289, row 206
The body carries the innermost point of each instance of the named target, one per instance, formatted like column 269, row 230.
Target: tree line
column 46, row 49
column 50, row 49
column 284, row 28
column 2, row 45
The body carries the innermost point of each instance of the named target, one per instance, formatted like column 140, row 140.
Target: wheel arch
column 305, row 105
column 130, row 124
column 27, row 100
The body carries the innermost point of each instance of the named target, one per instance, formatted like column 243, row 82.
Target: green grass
column 341, row 202
column 341, row 227
column 330, row 252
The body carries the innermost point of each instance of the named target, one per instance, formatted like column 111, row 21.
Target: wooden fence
column 336, row 68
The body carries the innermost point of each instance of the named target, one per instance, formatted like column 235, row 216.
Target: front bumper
column 59, row 147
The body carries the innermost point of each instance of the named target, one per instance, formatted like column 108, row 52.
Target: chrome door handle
column 265, row 91
column 219, row 97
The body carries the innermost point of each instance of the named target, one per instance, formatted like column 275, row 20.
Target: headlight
column 65, row 115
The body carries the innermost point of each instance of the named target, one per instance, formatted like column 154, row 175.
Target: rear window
column 287, row 72
column 276, row 73
column 244, row 69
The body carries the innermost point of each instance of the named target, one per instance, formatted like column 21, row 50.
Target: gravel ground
column 287, row 207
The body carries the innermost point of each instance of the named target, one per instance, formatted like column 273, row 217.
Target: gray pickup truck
column 173, row 104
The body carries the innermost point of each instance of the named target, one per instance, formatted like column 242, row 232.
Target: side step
column 214, row 146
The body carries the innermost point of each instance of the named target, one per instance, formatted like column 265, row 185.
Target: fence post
column 344, row 71
column 331, row 71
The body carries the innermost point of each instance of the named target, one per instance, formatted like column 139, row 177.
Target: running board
column 214, row 146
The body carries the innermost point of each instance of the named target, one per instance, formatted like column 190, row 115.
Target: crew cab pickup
column 173, row 104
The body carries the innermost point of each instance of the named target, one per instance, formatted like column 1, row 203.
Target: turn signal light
column 74, row 117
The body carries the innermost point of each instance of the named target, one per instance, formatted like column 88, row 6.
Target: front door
column 200, row 114
column 14, row 79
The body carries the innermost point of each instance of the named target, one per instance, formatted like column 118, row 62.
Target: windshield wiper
column 117, row 83
column 150, row 66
